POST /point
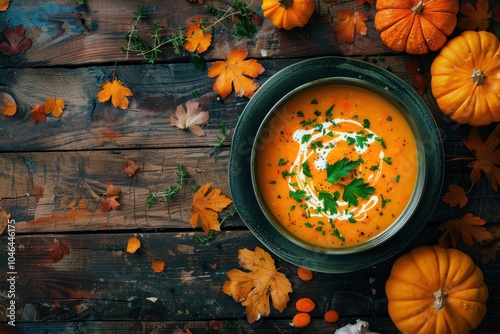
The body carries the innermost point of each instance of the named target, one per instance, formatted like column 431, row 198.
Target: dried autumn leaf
column 351, row 21
column 58, row 251
column 158, row 266
column 4, row 4
column 254, row 287
column 110, row 199
column 130, row 167
column 197, row 39
column 117, row 92
column 469, row 227
column 17, row 41
column 235, row 72
column 420, row 82
column 133, row 244
column 474, row 18
column 489, row 249
column 54, row 106
column 4, row 219
column 205, row 208
column 192, row 119
column 9, row 109
column 487, row 156
column 38, row 113
column 455, row 196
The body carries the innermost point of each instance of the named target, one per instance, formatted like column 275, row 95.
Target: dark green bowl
column 317, row 71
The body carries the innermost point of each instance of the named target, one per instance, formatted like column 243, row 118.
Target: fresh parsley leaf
column 387, row 160
column 339, row 169
column 314, row 101
column 381, row 141
column 337, row 234
column 282, row 162
column 298, row 195
column 305, row 168
column 245, row 28
column 286, row 173
column 356, row 188
column 305, row 138
column 329, row 201
column 366, row 123
column 329, row 111
column 384, row 201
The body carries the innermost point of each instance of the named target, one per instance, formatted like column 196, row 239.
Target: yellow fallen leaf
column 133, row 244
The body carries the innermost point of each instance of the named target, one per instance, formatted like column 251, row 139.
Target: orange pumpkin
column 432, row 289
column 288, row 14
column 465, row 78
column 415, row 26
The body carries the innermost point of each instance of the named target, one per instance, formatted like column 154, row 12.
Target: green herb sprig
column 170, row 192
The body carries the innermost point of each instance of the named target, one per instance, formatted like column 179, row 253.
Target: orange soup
column 336, row 165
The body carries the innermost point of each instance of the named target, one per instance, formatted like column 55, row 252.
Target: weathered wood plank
column 158, row 89
column 66, row 34
column 100, row 281
column 66, row 188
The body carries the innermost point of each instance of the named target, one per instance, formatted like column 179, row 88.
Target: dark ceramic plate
column 262, row 102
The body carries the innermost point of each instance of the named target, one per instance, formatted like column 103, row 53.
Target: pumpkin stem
column 440, row 301
column 477, row 77
column 285, row 3
column 417, row 9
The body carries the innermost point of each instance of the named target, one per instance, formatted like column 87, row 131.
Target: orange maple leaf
column 38, row 113
column 133, row 244
column 469, row 227
column 205, row 208
column 9, row 109
column 192, row 119
column 4, row 4
column 117, row 92
column 487, row 156
column 54, row 106
column 351, row 21
column 474, row 18
column 254, row 287
column 235, row 71
column 130, row 167
column 110, row 196
column 197, row 39
column 158, row 266
column 455, row 196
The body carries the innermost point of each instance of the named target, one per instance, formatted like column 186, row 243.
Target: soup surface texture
column 336, row 165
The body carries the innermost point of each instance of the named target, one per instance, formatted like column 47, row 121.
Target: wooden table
column 53, row 175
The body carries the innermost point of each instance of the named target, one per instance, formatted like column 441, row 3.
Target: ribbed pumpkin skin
column 452, row 85
column 297, row 15
column 416, row 275
column 415, row 26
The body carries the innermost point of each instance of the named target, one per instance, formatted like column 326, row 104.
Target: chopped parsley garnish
column 308, row 122
column 308, row 224
column 314, row 101
column 298, row 195
column 316, row 144
column 366, row 123
column 318, row 127
column 389, row 118
column 387, row 160
column 286, row 173
column 305, row 169
column 381, row 141
column 329, row 201
column 356, row 188
column 272, row 182
column 317, row 112
column 337, row 234
column 396, row 179
column 305, row 138
column 339, row 169
column 300, row 113
column 282, row 162
column 384, row 201
column 329, row 111
column 374, row 168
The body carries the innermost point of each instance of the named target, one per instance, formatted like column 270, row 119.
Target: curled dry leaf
column 474, row 18
column 455, row 196
column 4, row 4
column 469, row 227
column 235, row 72
column 350, row 23
column 130, row 167
column 58, row 250
column 54, row 106
column 115, row 91
column 254, row 287
column 158, row 266
column 197, row 39
column 38, row 113
column 133, row 244
column 4, row 219
column 205, row 208
column 17, row 43
column 190, row 119
column 110, row 198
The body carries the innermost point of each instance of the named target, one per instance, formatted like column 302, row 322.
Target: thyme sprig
column 150, row 48
column 170, row 192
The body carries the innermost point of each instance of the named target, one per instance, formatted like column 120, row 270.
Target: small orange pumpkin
column 415, row 26
column 465, row 78
column 288, row 14
column 432, row 289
